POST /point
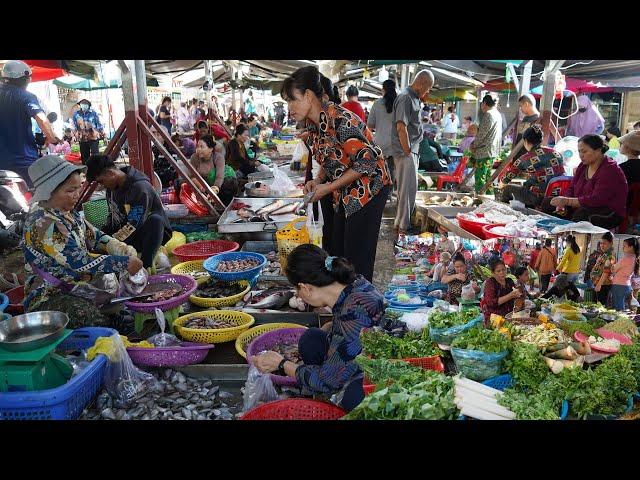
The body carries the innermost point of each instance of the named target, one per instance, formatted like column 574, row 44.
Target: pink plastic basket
column 187, row 283
column 188, row 354
column 289, row 336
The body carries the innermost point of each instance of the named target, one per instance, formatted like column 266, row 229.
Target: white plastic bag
column 299, row 153
column 259, row 389
column 281, row 181
column 415, row 321
column 315, row 227
column 163, row 339
column 468, row 293
column 133, row 284
column 162, row 261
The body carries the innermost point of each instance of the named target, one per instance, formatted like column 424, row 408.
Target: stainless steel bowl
column 32, row 330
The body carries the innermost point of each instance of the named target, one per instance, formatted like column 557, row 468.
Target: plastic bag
column 123, row 380
column 133, row 284
column 281, row 181
column 468, row 293
column 445, row 336
column 315, row 226
column 415, row 321
column 163, row 339
column 258, row 389
column 300, row 153
column 162, row 261
column 478, row 365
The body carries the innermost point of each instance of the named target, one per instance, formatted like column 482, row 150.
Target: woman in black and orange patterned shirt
column 353, row 169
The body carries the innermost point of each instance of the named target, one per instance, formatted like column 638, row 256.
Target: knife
column 126, row 299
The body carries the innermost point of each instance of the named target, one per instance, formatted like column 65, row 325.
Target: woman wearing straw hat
column 68, row 255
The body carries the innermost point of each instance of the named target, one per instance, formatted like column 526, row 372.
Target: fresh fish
column 245, row 213
column 276, row 300
column 270, row 207
column 288, row 208
column 264, row 217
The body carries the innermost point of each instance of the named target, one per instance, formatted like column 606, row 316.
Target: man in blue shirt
column 18, row 148
column 88, row 130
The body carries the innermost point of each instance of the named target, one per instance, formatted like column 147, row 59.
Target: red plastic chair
column 456, row 177
column 560, row 184
column 633, row 211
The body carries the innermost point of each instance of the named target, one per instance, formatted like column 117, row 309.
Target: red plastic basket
column 74, row 158
column 204, row 249
column 488, row 233
column 16, row 296
column 476, row 228
column 295, row 409
column 428, row 363
column 189, row 199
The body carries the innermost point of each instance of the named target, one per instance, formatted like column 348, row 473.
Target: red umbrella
column 577, row 86
column 500, row 86
column 44, row 70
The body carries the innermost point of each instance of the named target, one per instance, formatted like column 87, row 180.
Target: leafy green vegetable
column 527, row 366
column 529, row 407
column 632, row 353
column 381, row 345
column 484, row 340
column 441, row 319
column 380, row 371
column 431, row 399
column 588, row 328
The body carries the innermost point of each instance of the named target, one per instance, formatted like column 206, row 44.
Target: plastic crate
column 427, row 363
column 295, row 409
column 501, row 382
column 69, row 400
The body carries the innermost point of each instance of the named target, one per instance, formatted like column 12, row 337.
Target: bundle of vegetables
column 431, row 399
column 588, row 328
column 479, row 353
column 481, row 273
column 541, row 336
column 624, row 326
column 527, row 366
column 529, row 407
column 440, row 319
column 480, row 401
column 483, row 340
column 380, row 371
column 379, row 344
column 632, row 353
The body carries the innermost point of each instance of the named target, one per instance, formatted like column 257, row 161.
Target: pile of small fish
column 162, row 295
column 272, row 298
column 449, row 200
column 265, row 213
column 273, row 266
column 207, row 323
column 289, row 352
column 217, row 289
column 237, row 265
column 174, row 397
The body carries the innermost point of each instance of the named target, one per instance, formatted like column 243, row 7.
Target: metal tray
column 424, row 197
column 226, row 225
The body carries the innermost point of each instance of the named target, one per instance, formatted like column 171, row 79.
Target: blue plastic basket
column 435, row 286
column 426, row 302
column 4, row 301
column 550, row 223
column 410, row 287
column 211, row 263
column 67, row 401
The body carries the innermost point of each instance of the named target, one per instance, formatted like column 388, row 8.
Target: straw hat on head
column 47, row 173
column 631, row 140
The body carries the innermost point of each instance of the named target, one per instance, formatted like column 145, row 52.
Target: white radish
column 482, row 403
column 479, row 414
column 475, row 386
column 463, row 389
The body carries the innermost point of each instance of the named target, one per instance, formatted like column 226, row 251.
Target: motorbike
column 14, row 206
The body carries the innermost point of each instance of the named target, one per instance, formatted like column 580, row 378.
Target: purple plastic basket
column 189, row 354
column 290, row 336
column 187, row 283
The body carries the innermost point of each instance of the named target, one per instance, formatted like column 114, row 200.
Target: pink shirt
column 624, row 269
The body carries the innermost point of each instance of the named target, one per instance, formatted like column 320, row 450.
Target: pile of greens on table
column 415, row 394
column 483, row 340
column 440, row 319
column 379, row 344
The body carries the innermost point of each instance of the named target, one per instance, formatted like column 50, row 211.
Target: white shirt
column 450, row 124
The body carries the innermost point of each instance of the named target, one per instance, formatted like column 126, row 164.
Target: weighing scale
column 33, row 370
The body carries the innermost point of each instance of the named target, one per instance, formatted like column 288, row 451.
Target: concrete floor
column 385, row 260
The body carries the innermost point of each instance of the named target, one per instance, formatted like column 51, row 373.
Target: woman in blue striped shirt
column 328, row 354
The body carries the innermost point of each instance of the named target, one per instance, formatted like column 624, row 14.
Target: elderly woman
column 500, row 292
column 328, row 354
column 457, row 277
column 486, row 146
column 209, row 163
column 539, row 165
column 598, row 190
column 69, row 257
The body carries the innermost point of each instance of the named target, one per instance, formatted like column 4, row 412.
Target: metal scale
column 28, row 361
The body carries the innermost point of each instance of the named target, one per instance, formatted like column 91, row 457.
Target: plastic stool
column 170, row 316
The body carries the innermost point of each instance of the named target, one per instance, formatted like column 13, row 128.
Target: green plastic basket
column 96, row 212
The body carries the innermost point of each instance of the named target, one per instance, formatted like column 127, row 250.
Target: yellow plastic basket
column 189, row 268
column 219, row 335
column 222, row 301
column 245, row 338
column 289, row 237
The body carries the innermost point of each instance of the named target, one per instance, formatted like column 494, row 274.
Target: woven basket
column 289, row 237
column 191, row 268
column 222, row 301
column 289, row 336
column 245, row 338
column 204, row 249
column 219, row 335
column 295, row 409
column 96, row 212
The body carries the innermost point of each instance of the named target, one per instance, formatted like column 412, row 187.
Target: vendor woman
column 353, row 171
column 65, row 251
column 457, row 277
column 598, row 190
column 328, row 353
column 500, row 292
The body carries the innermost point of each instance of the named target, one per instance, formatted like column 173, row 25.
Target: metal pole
column 526, row 78
column 548, row 94
column 130, row 102
column 146, row 155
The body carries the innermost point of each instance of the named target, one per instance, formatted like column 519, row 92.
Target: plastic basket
column 177, row 239
column 67, row 401
column 612, row 417
column 222, row 301
column 204, row 249
column 295, row 409
column 289, row 336
column 187, row 283
column 245, row 338
column 96, row 212
column 211, row 263
column 427, row 363
column 189, row 268
column 500, row 382
column 477, row 365
column 474, row 227
column 289, row 237
column 177, row 210
column 16, row 296
column 445, row 336
column 218, row 335
column 4, row 301
column 192, row 202
column 187, row 354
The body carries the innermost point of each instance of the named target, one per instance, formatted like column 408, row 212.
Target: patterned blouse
column 60, row 244
column 455, row 286
column 599, row 268
column 492, row 293
column 359, row 306
column 539, row 165
column 342, row 141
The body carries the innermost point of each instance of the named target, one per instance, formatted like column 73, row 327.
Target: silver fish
column 289, row 208
column 270, row 207
column 275, row 300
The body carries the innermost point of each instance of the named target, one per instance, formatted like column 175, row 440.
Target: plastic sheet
column 445, row 336
column 478, row 365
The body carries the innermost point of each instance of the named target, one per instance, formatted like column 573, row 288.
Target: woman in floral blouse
column 601, row 271
column 59, row 246
column 353, row 169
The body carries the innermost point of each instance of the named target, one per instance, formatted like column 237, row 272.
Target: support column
column 548, row 94
column 130, row 103
column 146, row 155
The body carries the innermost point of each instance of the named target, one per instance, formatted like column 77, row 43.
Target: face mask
column 84, row 107
column 582, row 109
